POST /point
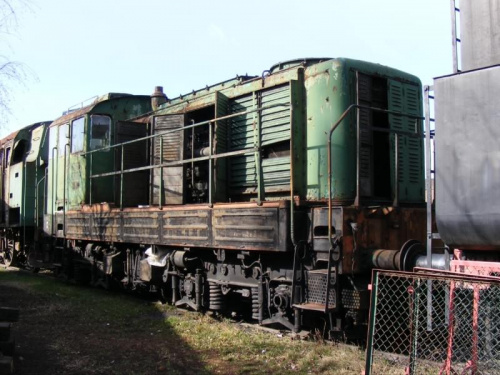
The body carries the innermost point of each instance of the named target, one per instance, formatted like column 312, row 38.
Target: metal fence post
column 371, row 327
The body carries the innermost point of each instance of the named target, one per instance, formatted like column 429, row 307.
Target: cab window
column 77, row 135
column 52, row 140
column 100, row 131
column 7, row 157
column 63, row 139
column 19, row 151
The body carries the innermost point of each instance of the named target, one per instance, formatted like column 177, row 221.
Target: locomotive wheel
column 9, row 254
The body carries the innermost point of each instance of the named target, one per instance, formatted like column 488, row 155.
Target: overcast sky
column 77, row 49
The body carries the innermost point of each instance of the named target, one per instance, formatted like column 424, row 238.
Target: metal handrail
column 186, row 127
column 37, row 199
column 65, row 186
column 54, row 189
column 193, row 159
column 177, row 163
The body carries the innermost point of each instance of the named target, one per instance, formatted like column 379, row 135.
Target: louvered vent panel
column 415, row 167
column 405, row 98
column 173, row 145
column 399, row 123
column 275, row 128
column 221, row 126
column 221, row 145
column 276, row 171
column 172, row 142
column 365, row 135
column 275, row 121
column 241, row 127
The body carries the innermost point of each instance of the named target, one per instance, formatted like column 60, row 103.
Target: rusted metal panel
column 78, row 225
column 231, row 226
column 251, row 229
column 367, row 229
column 140, row 227
column 187, row 227
column 321, row 241
column 105, row 226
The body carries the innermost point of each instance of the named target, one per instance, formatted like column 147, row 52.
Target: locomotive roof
column 71, row 114
column 14, row 134
column 211, row 88
column 296, row 62
column 9, row 137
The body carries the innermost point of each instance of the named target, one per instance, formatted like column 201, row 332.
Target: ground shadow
column 67, row 329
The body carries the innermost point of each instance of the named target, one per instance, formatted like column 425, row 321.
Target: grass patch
column 92, row 331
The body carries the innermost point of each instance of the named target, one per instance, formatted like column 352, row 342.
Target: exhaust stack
column 158, row 98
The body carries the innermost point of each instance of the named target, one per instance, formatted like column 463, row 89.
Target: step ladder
column 320, row 288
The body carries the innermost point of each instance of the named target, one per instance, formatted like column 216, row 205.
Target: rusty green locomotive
column 272, row 196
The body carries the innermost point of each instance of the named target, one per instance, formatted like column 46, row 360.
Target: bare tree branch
column 12, row 73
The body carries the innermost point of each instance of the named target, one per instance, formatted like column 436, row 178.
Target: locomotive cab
column 23, row 162
column 81, row 157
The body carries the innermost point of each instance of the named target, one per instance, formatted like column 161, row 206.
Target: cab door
column 77, row 165
column 57, row 173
